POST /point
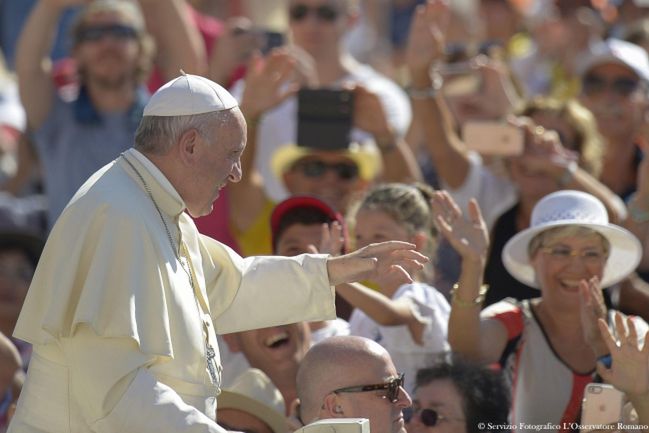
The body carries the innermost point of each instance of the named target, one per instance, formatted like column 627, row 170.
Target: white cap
column 617, row 51
column 187, row 95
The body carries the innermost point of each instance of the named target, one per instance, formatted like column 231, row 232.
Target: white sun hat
column 187, row 95
column 565, row 208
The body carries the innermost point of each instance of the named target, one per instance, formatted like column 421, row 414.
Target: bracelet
column 568, row 174
column 427, row 92
column 477, row 301
column 636, row 212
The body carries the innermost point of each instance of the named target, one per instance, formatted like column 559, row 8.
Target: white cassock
column 120, row 337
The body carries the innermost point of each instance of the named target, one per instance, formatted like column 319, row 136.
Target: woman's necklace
column 210, row 353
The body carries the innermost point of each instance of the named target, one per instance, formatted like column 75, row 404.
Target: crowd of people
column 253, row 215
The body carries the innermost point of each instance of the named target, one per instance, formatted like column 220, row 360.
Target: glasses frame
column 551, row 251
column 325, row 13
column 621, row 86
column 393, row 386
column 94, row 33
column 345, row 171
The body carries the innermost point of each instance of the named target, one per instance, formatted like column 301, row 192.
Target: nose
column 404, row 400
column 236, row 173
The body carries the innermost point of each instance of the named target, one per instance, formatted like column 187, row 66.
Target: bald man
column 352, row 377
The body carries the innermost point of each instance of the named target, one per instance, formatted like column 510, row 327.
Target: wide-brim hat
column 615, row 51
column 254, row 393
column 573, row 208
column 366, row 156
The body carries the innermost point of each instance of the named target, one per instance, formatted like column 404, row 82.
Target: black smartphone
column 324, row 118
column 270, row 40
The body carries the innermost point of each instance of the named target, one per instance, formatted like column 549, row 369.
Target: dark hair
column 485, row 395
column 301, row 215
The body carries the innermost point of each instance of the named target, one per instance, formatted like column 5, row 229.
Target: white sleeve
column 115, row 391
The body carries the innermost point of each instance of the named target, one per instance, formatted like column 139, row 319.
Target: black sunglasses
column 428, row 417
column 623, row 86
column 315, row 169
column 393, row 387
column 95, row 33
column 326, row 13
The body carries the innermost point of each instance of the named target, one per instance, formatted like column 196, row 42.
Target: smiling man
column 352, row 377
column 128, row 296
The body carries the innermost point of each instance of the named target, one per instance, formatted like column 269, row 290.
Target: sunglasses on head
column 428, row 417
column 315, row 169
column 299, row 12
column 95, row 33
column 393, row 388
column 623, row 86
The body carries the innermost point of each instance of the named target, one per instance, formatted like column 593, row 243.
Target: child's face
column 377, row 226
column 296, row 239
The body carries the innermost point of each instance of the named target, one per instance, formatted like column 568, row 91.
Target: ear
column 331, row 406
column 232, row 341
column 188, row 145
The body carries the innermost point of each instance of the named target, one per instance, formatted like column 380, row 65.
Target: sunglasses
column 326, row 13
column 315, row 169
column 95, row 33
column 594, row 84
column 428, row 417
column 393, row 387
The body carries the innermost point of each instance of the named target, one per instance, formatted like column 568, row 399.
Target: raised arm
column 399, row 163
column 268, row 83
column 33, row 63
column 481, row 340
column 430, row 111
column 178, row 43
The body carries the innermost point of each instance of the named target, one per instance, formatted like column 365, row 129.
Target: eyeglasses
column 314, row 169
column 324, row 13
column 564, row 254
column 428, row 417
column 95, row 33
column 393, row 387
column 623, row 86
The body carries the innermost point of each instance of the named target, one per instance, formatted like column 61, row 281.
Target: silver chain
column 210, row 354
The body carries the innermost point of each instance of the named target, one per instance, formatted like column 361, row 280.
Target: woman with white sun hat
column 548, row 346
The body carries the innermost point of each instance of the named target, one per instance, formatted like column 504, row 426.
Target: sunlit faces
column 318, row 25
column 561, row 263
column 275, row 349
column 443, row 397
column 217, row 161
column 109, row 58
column 619, row 108
column 333, row 184
column 384, row 416
column 297, row 238
column 240, row 421
column 377, row 226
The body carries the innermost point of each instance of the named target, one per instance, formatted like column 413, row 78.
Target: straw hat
column 565, row 208
column 254, row 393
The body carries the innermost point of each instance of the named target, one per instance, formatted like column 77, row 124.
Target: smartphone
column 324, row 118
column 602, row 405
column 271, row 39
column 493, row 138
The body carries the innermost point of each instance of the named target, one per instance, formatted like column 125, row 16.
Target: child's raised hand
column 331, row 240
column 469, row 236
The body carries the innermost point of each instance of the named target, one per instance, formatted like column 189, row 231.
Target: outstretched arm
column 482, row 340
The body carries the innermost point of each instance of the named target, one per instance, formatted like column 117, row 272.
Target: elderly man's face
column 330, row 176
column 384, row 416
column 616, row 97
column 217, row 163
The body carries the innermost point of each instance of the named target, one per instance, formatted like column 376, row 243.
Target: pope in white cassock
column 128, row 296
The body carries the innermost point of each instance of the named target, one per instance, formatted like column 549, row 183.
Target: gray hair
column 157, row 134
